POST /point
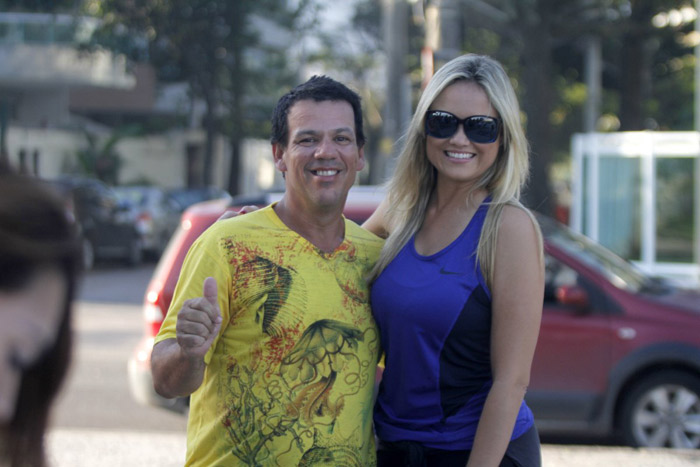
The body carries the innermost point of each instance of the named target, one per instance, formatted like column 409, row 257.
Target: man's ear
column 277, row 153
column 361, row 160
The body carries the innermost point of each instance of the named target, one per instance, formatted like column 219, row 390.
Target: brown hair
column 35, row 232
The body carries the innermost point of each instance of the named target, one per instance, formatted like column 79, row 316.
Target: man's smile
column 325, row 172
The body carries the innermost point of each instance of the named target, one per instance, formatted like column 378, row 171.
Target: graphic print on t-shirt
column 289, row 389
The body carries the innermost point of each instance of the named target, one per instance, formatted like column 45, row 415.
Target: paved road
column 109, row 324
column 96, row 423
column 83, row 448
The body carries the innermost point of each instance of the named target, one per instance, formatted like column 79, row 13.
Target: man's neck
column 324, row 229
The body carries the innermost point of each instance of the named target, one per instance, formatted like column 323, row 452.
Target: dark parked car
column 186, row 197
column 106, row 227
column 618, row 353
column 154, row 212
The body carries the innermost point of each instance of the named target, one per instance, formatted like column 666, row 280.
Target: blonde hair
column 414, row 179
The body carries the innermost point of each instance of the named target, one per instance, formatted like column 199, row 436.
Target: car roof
column 366, row 196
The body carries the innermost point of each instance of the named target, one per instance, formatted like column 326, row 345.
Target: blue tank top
column 434, row 316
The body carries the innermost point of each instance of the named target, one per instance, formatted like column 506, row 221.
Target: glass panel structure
column 638, row 194
column 675, row 186
column 620, row 205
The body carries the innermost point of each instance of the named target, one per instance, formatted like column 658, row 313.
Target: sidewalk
column 89, row 448
column 555, row 455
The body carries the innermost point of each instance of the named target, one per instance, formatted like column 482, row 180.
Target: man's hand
column 243, row 210
column 199, row 321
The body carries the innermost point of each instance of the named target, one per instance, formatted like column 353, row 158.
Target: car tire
column 88, row 255
column 663, row 410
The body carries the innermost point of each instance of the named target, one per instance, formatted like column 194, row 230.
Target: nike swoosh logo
column 449, row 273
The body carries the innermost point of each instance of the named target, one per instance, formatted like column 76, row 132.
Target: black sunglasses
column 478, row 128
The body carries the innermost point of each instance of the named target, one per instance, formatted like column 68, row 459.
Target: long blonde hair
column 414, row 179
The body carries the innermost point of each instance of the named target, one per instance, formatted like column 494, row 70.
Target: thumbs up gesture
column 199, row 321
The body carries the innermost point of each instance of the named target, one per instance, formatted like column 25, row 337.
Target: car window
column 556, row 275
column 619, row 272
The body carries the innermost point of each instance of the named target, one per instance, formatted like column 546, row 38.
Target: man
column 270, row 328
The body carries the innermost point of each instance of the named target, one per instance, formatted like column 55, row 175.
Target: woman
column 39, row 262
column 457, row 291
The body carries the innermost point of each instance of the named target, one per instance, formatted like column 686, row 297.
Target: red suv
column 618, row 352
column 361, row 203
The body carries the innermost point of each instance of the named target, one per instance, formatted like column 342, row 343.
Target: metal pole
column 593, row 68
column 4, row 114
column 395, row 24
column 696, row 217
column 443, row 30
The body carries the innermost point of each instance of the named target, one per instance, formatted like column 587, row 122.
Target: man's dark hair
column 317, row 88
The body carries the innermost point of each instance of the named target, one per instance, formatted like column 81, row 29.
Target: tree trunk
column 537, row 105
column 635, row 73
column 237, row 86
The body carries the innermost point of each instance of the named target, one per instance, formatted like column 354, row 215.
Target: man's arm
column 178, row 364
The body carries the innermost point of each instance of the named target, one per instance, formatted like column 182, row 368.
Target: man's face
column 321, row 157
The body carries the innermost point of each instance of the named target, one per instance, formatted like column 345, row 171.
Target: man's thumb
column 209, row 291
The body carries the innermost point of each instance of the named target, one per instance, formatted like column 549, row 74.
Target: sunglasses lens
column 478, row 128
column 441, row 124
column 481, row 129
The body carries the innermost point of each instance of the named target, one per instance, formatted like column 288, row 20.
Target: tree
column 637, row 55
column 204, row 42
column 354, row 53
column 541, row 43
column 99, row 159
column 524, row 36
column 39, row 6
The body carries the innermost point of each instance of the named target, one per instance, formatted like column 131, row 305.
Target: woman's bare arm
column 517, row 295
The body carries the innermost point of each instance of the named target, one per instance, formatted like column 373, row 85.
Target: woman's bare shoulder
column 516, row 219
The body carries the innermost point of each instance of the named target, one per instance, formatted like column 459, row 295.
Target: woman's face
column 29, row 322
column 456, row 158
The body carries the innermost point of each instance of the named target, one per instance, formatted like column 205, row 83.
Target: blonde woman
column 458, row 288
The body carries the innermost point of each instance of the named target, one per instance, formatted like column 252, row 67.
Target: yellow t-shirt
column 290, row 377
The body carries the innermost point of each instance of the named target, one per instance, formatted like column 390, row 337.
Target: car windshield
column 619, row 272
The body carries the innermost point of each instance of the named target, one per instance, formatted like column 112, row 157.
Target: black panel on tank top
column 465, row 364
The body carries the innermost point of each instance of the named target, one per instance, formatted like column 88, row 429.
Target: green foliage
column 218, row 47
column 661, row 80
column 192, row 40
column 99, row 158
column 39, row 6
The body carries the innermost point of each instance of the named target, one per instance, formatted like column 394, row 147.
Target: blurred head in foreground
column 39, row 265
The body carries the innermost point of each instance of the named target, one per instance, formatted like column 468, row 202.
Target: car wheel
column 88, row 254
column 663, row 410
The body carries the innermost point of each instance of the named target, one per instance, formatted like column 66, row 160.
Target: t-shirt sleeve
column 202, row 260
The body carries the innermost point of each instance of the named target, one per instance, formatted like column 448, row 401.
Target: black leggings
column 523, row 451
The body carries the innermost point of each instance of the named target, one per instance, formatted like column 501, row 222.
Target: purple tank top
column 434, row 316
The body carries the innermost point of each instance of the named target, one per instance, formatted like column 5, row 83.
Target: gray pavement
column 89, row 448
